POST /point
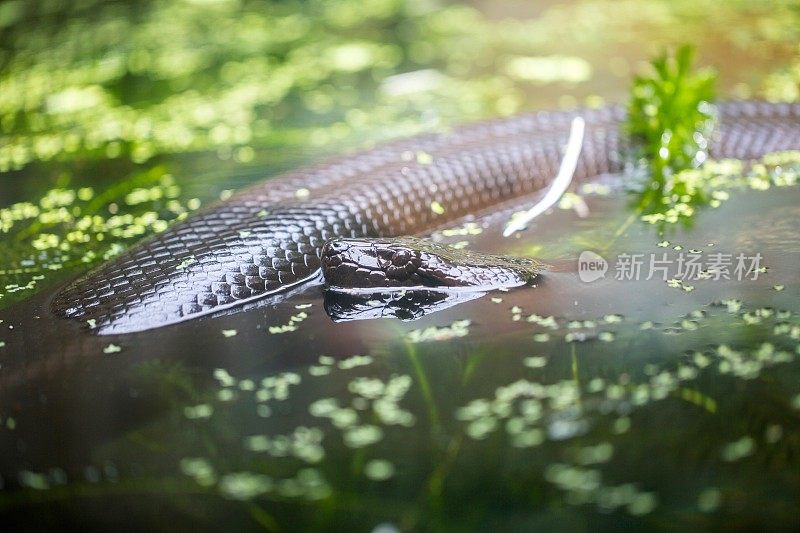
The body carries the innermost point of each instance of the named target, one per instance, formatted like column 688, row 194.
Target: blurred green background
column 138, row 80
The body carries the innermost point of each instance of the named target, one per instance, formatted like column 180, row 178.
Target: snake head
column 369, row 263
column 364, row 265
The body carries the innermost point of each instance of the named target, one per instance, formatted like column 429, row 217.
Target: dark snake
column 272, row 236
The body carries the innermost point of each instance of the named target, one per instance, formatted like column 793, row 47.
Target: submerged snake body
column 270, row 236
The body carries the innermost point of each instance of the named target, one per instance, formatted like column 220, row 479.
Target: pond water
column 571, row 405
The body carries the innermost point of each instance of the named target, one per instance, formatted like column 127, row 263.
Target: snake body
column 269, row 237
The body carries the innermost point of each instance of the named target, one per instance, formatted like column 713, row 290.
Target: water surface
column 569, row 405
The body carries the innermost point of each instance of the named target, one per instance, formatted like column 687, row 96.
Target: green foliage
column 670, row 111
column 784, row 84
column 670, row 118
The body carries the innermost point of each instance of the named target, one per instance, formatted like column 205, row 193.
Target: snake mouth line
column 423, row 288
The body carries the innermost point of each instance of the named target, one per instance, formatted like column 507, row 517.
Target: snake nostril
column 334, row 247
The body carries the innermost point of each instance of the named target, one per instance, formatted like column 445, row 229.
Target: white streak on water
column 563, row 179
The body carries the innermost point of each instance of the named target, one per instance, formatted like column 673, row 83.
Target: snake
column 279, row 233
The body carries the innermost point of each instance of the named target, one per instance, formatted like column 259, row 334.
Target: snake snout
column 349, row 263
column 334, row 247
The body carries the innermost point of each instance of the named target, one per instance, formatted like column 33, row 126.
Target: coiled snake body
column 270, row 236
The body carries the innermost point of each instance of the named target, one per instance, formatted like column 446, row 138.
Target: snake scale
column 270, row 236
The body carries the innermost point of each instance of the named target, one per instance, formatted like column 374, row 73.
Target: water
column 569, row 405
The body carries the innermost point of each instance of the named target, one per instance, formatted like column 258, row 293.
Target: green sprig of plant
column 670, row 119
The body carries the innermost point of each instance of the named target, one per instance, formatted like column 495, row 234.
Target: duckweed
column 199, row 469
column 362, row 436
column 379, row 470
column 203, row 410
column 459, row 328
column 112, row 349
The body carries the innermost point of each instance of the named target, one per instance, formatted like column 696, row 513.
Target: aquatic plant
column 670, row 117
column 670, row 112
